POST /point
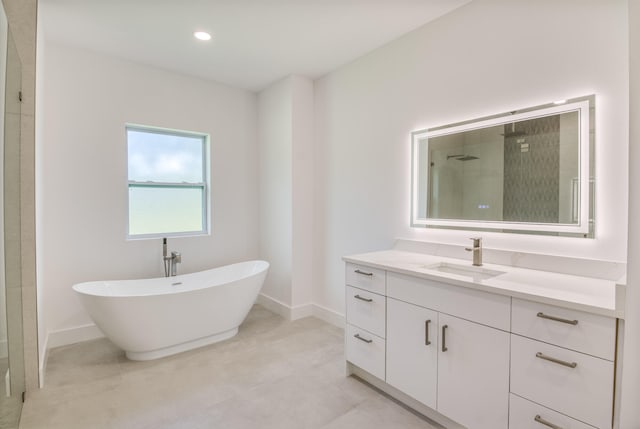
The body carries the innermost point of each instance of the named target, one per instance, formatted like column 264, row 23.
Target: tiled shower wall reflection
column 532, row 170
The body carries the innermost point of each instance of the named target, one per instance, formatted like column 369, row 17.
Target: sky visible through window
column 165, row 159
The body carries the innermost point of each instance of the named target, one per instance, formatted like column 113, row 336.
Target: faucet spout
column 476, row 250
column 176, row 258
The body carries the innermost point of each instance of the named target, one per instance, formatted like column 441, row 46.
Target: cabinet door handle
column 444, row 338
column 558, row 361
column 557, row 319
column 362, row 339
column 363, row 299
column 426, row 332
column 546, row 423
column 363, row 273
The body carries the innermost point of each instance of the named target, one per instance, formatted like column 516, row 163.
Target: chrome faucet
column 477, row 251
column 170, row 262
column 176, row 258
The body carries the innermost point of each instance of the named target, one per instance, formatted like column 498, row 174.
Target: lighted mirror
column 523, row 171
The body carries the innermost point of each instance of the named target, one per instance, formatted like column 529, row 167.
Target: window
column 167, row 182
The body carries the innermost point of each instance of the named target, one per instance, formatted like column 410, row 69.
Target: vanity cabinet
column 412, row 350
column 447, row 362
column 525, row 414
column 366, row 278
column 365, row 350
column 366, row 310
column 473, row 373
column 563, row 360
column 365, row 344
column 484, row 360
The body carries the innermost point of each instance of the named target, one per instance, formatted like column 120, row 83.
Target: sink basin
column 474, row 273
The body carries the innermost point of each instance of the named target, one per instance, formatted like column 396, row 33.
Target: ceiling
column 255, row 42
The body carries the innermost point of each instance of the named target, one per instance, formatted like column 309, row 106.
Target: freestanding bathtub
column 153, row 318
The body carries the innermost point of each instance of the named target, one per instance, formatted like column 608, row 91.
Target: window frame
column 204, row 184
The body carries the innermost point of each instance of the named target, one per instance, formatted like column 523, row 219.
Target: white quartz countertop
column 598, row 296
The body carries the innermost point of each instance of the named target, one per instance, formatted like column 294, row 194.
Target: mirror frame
column 583, row 227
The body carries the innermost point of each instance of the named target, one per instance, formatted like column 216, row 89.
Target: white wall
column 88, row 98
column 302, row 192
column 487, row 57
column 630, row 412
column 274, row 130
column 286, row 193
column 40, row 185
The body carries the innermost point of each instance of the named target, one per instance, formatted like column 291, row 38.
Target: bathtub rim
column 263, row 267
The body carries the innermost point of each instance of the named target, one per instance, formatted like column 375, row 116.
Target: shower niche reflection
column 524, row 171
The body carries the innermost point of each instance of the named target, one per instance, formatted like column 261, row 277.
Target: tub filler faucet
column 170, row 262
column 176, row 258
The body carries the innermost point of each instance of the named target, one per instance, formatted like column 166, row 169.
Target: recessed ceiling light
column 202, row 35
column 560, row 102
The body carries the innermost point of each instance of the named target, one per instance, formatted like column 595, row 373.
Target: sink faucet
column 477, row 251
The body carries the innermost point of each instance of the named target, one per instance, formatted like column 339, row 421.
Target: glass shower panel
column 12, row 379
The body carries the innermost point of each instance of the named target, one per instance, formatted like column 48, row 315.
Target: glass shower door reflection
column 12, row 378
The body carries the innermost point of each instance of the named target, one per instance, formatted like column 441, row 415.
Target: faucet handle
column 477, row 244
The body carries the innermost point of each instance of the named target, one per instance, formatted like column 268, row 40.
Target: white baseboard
column 274, row 305
column 285, row 310
column 329, row 316
column 68, row 336
column 300, row 311
column 64, row 337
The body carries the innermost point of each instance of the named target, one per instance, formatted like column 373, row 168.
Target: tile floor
column 273, row 374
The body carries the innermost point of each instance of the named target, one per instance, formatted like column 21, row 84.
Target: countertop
column 598, row 296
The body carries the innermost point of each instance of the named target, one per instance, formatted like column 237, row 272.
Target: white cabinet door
column 412, row 356
column 473, row 374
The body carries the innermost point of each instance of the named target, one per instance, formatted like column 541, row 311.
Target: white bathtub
column 153, row 318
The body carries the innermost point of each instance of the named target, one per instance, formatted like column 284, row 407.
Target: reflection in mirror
column 523, row 171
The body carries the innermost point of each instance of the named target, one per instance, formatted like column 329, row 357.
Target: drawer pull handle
column 363, row 299
column 558, row 361
column 444, row 338
column 546, row 423
column 426, row 332
column 364, row 273
column 557, row 319
column 363, row 339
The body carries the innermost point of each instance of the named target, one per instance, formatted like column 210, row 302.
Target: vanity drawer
column 470, row 304
column 588, row 333
column 365, row 350
column 584, row 392
column 368, row 278
column 366, row 310
column 525, row 414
